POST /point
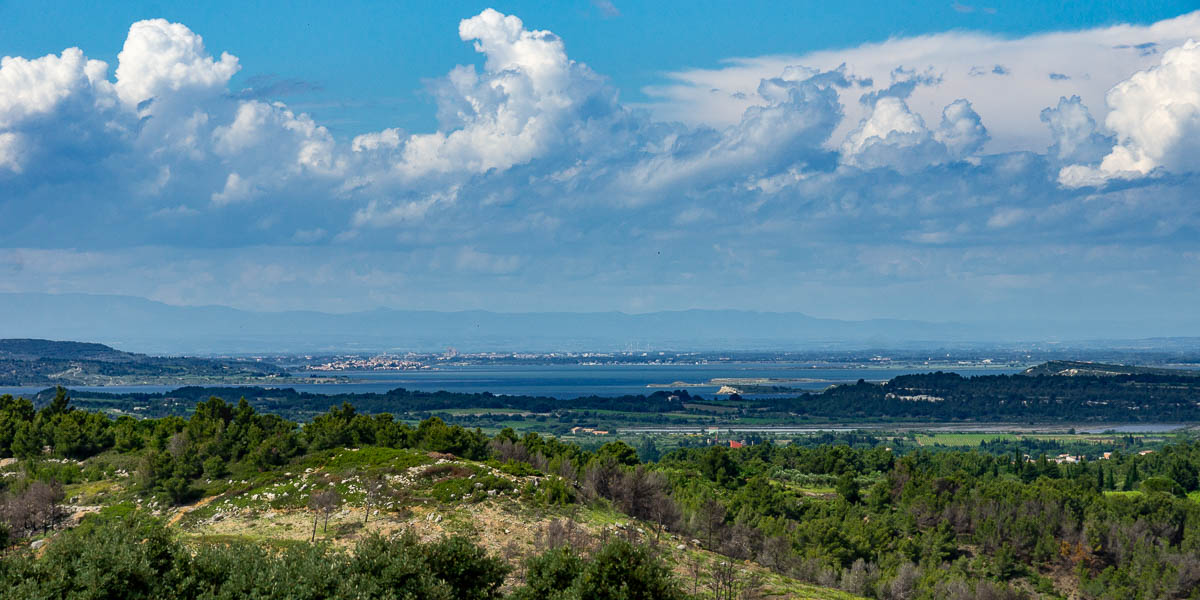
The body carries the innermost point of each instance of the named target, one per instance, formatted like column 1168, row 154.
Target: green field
column 1131, row 494
column 975, row 439
column 485, row 411
column 715, row 408
column 962, row 439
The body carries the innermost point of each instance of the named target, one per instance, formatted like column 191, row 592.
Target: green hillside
column 33, row 350
column 231, row 502
column 28, row 362
column 1075, row 368
column 402, row 497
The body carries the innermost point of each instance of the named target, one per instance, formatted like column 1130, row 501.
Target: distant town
column 952, row 359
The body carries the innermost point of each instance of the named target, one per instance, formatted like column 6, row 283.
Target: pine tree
column 1131, row 478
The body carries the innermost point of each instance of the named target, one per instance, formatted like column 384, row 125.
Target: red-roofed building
column 733, row 444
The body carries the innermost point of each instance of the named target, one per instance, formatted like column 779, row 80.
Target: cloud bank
column 944, row 172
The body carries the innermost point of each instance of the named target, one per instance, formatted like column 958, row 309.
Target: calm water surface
column 572, row 381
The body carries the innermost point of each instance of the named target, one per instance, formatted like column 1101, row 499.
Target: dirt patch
column 183, row 510
column 79, row 513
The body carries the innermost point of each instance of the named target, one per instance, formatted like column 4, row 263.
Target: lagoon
column 572, row 381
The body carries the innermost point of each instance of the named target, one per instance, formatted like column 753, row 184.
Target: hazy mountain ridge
column 159, row 328
column 162, row 328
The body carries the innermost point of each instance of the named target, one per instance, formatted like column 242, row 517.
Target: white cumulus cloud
column 1077, row 138
column 529, row 99
column 167, row 129
column 894, row 136
column 162, row 59
column 1155, row 115
column 57, row 106
column 29, row 88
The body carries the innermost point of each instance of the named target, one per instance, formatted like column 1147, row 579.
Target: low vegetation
column 231, row 502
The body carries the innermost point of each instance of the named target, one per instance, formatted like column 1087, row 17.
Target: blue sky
column 944, row 161
column 362, row 64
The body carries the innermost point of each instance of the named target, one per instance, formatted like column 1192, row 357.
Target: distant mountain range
column 158, row 328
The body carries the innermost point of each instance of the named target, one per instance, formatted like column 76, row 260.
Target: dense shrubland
column 944, row 524
column 136, row 557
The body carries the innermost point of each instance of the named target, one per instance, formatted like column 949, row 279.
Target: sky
column 947, row 161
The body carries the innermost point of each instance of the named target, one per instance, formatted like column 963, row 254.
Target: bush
column 847, row 488
column 623, row 571
column 555, row 492
column 471, row 489
column 375, row 456
column 64, row 473
column 138, row 558
column 550, row 574
column 619, row 570
column 1163, row 485
column 466, row 568
column 446, row 471
column 132, row 557
column 215, row 467
column 514, row 468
